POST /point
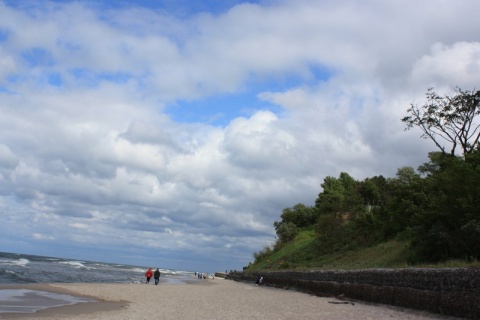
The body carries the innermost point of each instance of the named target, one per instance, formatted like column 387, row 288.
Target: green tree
column 301, row 215
column 367, row 229
column 348, row 213
column 448, row 223
column 292, row 221
column 262, row 254
column 353, row 201
column 286, row 232
column 405, row 200
column 331, row 234
column 374, row 191
column 340, row 196
column 332, row 198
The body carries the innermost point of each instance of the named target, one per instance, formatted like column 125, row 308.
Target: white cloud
column 8, row 160
column 449, row 65
column 7, row 65
column 39, row 236
column 88, row 155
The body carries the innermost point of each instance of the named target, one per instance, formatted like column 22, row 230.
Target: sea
column 23, row 269
column 18, row 269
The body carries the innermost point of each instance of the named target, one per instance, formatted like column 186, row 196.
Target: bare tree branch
column 449, row 118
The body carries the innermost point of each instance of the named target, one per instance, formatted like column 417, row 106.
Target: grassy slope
column 301, row 255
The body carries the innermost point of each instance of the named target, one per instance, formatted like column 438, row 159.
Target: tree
column 332, row 198
column 373, row 191
column 300, row 215
column 451, row 118
column 340, row 196
column 332, row 236
column 406, row 198
column 353, row 201
column 262, row 254
column 447, row 222
column 286, row 232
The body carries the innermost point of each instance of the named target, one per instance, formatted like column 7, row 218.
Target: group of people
column 155, row 274
column 202, row 275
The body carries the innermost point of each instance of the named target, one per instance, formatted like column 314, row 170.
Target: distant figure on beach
column 259, row 280
column 148, row 274
column 156, row 276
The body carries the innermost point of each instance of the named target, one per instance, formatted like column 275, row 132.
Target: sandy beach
column 207, row 299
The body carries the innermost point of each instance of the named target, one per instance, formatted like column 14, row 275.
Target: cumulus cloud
column 457, row 64
column 91, row 163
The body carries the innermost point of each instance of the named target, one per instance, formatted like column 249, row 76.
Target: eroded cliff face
column 448, row 291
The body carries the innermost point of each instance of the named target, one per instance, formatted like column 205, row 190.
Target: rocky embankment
column 449, row 291
column 220, row 274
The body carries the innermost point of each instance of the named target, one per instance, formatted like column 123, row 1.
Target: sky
column 173, row 133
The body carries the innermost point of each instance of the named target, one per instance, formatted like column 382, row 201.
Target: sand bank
column 207, row 299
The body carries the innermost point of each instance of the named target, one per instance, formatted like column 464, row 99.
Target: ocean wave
column 102, row 265
column 136, row 280
column 9, row 276
column 76, row 264
column 166, row 271
column 22, row 262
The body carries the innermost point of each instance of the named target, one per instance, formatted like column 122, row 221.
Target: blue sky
column 173, row 134
column 220, row 109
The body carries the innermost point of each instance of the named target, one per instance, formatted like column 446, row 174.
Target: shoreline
column 204, row 299
column 67, row 310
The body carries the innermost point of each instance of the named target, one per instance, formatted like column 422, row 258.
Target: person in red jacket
column 148, row 274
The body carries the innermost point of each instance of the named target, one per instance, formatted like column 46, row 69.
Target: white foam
column 20, row 262
column 76, row 264
column 167, row 271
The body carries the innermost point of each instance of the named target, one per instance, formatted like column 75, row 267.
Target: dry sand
column 209, row 299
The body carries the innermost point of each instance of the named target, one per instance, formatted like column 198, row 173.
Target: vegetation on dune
column 419, row 218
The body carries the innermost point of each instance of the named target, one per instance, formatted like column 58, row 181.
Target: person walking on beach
column 148, row 274
column 156, row 276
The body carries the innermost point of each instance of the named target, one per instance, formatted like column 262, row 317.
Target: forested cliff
column 434, row 209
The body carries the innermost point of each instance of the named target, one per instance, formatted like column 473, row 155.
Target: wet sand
column 206, row 299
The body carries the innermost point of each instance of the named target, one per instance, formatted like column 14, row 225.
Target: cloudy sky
column 172, row 134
